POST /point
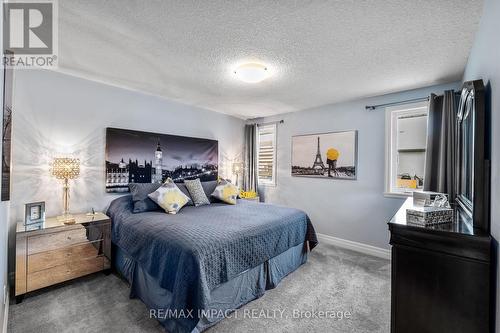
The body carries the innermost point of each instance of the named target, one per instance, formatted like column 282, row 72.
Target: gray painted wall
column 353, row 210
column 56, row 114
column 484, row 63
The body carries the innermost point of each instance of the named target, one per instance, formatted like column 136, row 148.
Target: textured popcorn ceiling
column 320, row 52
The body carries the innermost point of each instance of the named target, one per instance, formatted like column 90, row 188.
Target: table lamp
column 237, row 169
column 66, row 168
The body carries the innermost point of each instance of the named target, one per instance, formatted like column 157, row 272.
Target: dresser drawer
column 43, row 260
column 65, row 238
column 65, row 272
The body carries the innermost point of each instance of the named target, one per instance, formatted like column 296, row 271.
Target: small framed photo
column 34, row 212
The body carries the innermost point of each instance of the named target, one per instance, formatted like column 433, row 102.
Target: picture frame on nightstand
column 34, row 212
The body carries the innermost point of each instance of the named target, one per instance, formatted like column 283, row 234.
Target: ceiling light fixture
column 251, row 72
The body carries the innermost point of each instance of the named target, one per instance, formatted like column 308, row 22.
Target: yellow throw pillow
column 226, row 192
column 169, row 197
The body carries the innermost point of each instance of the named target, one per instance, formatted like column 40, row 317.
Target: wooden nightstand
column 51, row 252
column 257, row 199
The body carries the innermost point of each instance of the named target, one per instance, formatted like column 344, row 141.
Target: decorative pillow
column 226, row 192
column 139, row 192
column 184, row 190
column 209, row 188
column 196, row 191
column 169, row 197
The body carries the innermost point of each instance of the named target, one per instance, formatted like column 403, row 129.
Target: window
column 406, row 140
column 266, row 154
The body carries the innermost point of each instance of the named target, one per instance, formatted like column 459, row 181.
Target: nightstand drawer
column 256, row 199
column 56, row 240
column 68, row 271
column 43, row 260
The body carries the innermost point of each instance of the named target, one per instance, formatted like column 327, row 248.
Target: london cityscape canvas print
column 327, row 155
column 142, row 157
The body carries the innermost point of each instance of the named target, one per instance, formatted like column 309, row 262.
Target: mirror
column 465, row 119
column 472, row 165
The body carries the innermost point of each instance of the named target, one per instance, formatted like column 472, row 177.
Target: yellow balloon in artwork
column 332, row 154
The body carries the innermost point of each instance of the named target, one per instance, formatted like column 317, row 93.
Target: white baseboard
column 355, row 246
column 6, row 315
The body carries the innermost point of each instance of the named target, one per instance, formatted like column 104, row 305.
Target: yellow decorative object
column 248, row 194
column 66, row 168
column 332, row 154
column 406, row 183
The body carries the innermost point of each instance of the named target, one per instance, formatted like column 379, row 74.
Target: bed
column 193, row 268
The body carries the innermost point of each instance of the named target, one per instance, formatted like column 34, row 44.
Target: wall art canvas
column 143, row 157
column 6, row 130
column 326, row 155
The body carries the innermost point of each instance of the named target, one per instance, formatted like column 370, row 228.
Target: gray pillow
column 209, row 188
column 197, row 193
column 140, row 191
column 184, row 190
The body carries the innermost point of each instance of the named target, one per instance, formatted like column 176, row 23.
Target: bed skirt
column 225, row 298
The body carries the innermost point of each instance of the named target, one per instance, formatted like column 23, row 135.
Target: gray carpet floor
column 339, row 281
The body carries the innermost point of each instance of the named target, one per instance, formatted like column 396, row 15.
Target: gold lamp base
column 66, row 219
column 65, row 168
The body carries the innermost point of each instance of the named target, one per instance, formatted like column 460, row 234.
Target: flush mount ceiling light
column 251, row 72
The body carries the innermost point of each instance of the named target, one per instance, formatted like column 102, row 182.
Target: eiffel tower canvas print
column 325, row 155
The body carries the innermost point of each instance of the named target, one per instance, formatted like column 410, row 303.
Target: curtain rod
column 272, row 122
column 415, row 100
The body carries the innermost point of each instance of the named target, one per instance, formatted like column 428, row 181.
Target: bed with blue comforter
column 207, row 257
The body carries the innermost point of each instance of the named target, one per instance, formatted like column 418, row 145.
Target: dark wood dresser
column 51, row 251
column 442, row 277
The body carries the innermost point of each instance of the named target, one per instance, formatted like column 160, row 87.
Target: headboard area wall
column 56, row 115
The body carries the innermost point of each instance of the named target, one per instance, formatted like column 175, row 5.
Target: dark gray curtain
column 250, row 168
column 440, row 154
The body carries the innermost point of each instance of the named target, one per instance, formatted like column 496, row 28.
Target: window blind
column 266, row 153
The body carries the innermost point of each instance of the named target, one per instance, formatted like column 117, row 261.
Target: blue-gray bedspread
column 199, row 248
